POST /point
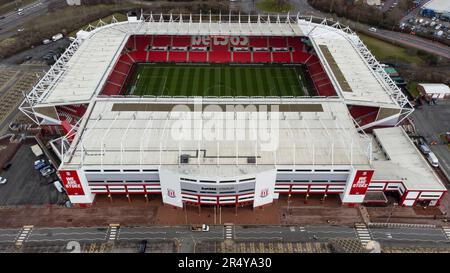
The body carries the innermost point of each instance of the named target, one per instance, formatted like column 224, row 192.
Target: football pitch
column 217, row 80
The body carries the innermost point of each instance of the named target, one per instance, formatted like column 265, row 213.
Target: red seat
column 111, row 89
column 161, row 40
column 139, row 56
column 242, row 57
column 300, row 57
column 181, row 41
column 198, row 56
column 142, row 42
column 281, row 57
column 295, row 42
column 220, row 56
column 258, row 41
column 117, row 78
column 157, row 56
column 122, row 67
column 177, row 56
column 261, row 57
column 277, row 42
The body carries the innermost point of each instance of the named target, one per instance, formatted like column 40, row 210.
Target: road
column 13, row 21
column 186, row 239
column 302, row 7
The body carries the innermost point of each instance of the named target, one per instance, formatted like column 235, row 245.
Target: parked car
column 39, row 164
column 46, row 41
column 59, row 187
column 3, row 180
column 424, row 149
column 142, row 246
column 372, row 29
column 20, row 29
column 46, row 171
column 433, row 159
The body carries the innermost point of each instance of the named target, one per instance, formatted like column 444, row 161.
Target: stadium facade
column 229, row 150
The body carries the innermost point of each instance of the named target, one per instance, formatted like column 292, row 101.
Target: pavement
column 187, row 240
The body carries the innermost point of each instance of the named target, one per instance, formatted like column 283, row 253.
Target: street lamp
column 289, row 202
column 390, row 214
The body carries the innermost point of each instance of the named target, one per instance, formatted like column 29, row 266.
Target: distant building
column 434, row 90
column 373, row 2
column 73, row 2
column 437, row 8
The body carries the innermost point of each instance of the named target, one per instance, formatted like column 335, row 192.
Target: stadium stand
column 281, row 57
column 161, row 41
column 198, row 56
column 139, row 49
column 220, row 56
column 181, row 41
column 279, row 42
column 258, row 41
column 242, row 57
column 178, row 56
column 261, row 57
column 157, row 56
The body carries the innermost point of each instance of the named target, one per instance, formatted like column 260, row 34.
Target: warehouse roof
column 435, row 88
column 439, row 6
column 403, row 161
column 147, row 131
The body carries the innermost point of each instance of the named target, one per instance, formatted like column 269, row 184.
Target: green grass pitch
column 217, row 80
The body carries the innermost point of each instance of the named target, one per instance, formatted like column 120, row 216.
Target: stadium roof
column 439, row 6
column 403, row 162
column 84, row 74
column 139, row 131
column 356, row 79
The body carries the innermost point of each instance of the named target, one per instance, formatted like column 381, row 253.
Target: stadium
column 228, row 110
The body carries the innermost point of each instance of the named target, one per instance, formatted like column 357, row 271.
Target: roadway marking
column 23, row 235
column 113, row 232
column 446, row 232
column 228, row 231
column 363, row 233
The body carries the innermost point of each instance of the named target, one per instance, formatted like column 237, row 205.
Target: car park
column 433, row 159
column 3, row 180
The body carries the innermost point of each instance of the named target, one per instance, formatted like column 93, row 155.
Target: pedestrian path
column 113, row 232
column 446, row 232
column 23, row 235
column 363, row 233
column 229, row 231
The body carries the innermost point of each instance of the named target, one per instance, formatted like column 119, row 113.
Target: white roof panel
column 405, row 161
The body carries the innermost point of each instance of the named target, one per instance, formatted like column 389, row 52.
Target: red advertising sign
column 72, row 182
column 361, row 182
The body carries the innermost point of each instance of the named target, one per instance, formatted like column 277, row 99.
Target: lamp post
column 289, row 203
column 390, row 214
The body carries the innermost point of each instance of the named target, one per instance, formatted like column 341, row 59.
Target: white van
column 433, row 159
column 59, row 187
column 57, row 37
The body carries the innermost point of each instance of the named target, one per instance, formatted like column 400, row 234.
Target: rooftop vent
column 251, row 160
column 184, row 159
